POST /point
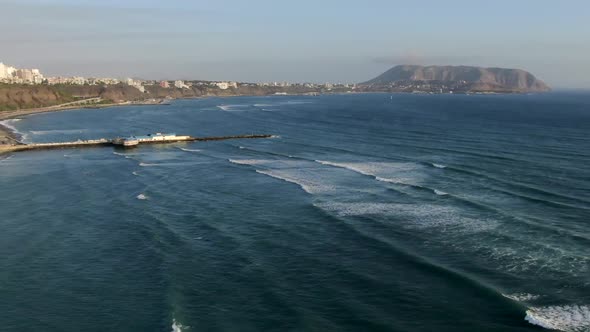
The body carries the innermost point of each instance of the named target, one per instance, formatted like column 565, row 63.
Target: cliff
column 19, row 97
column 26, row 96
column 15, row 96
column 463, row 77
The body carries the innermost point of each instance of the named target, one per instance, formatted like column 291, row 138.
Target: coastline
column 6, row 115
column 10, row 140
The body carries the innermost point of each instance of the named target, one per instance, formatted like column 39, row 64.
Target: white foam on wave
column 438, row 165
column 172, row 164
column 135, row 173
column 263, row 105
column 142, row 197
column 378, row 178
column 272, row 163
column 249, row 161
column 176, row 326
column 306, row 183
column 391, row 172
column 232, row 108
column 241, row 147
column 190, row 150
column 563, row 318
column 522, row 297
column 10, row 125
column 440, row 192
column 413, row 215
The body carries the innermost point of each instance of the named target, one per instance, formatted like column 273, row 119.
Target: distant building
column 226, row 85
column 165, row 84
column 76, row 80
column 30, row 76
column 222, row 85
column 180, row 84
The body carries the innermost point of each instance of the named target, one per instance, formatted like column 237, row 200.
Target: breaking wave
column 10, row 125
column 391, row 172
column 249, row 161
column 232, row 108
column 309, row 186
column 142, row 197
column 190, row 150
column 420, row 216
column 522, row 297
column 562, row 318
column 438, row 165
column 176, row 326
column 440, row 193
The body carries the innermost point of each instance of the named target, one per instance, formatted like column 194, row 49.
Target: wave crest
column 562, row 318
column 308, row 185
column 190, row 150
column 391, row 172
column 249, row 161
column 522, row 297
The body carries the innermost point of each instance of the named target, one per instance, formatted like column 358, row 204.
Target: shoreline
column 10, row 139
column 7, row 115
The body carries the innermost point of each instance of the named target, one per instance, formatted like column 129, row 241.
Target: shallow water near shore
column 362, row 213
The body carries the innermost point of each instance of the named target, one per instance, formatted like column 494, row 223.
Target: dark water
column 366, row 213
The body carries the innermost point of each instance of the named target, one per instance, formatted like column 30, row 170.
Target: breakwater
column 117, row 142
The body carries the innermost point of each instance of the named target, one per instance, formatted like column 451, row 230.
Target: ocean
column 369, row 212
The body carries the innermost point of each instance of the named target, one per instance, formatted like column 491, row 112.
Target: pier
column 128, row 142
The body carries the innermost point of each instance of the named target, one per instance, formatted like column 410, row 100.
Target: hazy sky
column 304, row 40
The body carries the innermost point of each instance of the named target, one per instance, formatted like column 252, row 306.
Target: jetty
column 125, row 142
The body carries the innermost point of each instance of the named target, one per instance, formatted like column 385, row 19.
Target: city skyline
column 264, row 42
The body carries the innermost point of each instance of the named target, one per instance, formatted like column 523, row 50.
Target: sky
column 296, row 41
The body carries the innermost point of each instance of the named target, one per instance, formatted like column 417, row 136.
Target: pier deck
column 111, row 142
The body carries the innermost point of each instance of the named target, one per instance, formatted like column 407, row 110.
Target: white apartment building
column 180, row 84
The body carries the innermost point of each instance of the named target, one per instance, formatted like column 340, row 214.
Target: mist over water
column 362, row 213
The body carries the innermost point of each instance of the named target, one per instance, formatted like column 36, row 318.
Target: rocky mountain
column 462, row 77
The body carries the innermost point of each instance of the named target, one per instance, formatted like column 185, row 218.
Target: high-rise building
column 3, row 73
column 6, row 72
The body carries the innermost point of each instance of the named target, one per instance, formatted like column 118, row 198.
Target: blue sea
column 371, row 212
